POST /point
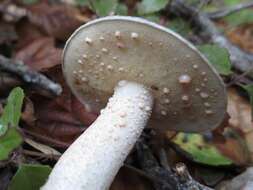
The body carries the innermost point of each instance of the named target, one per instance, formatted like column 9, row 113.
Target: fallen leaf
column 238, row 144
column 240, row 112
column 197, row 149
column 28, row 112
column 27, row 33
column 56, row 110
column 234, row 144
column 81, row 114
column 242, row 36
column 40, row 54
column 65, row 133
column 57, row 20
column 234, row 147
column 63, row 118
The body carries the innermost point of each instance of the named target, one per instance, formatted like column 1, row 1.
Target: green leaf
column 234, row 19
column 238, row 18
column 12, row 110
column 121, row 9
column 218, row 57
column 29, row 2
column 151, row 6
column 233, row 2
column 8, row 142
column 103, row 7
column 152, row 17
column 241, row 17
column 194, row 146
column 29, row 177
column 82, row 2
column 180, row 26
column 249, row 89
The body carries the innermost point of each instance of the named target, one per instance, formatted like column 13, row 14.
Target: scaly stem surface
column 94, row 159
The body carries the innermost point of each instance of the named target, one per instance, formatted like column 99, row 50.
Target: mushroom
column 133, row 72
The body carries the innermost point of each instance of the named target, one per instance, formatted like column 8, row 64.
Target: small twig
column 28, row 75
column 239, row 77
column 240, row 60
column 163, row 159
column 168, row 180
column 150, row 165
column 229, row 10
column 186, row 179
column 46, row 139
column 142, row 173
column 41, row 155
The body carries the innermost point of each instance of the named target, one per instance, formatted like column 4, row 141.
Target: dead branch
column 229, row 10
column 168, row 180
column 240, row 60
column 29, row 76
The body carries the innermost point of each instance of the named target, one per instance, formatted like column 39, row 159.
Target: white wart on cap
column 189, row 95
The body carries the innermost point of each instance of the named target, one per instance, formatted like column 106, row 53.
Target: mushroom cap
column 189, row 94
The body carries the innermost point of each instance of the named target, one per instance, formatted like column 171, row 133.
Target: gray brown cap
column 189, row 94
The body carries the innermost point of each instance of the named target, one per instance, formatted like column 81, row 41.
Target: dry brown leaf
column 62, row 132
column 235, row 149
column 40, row 54
column 28, row 112
column 81, row 114
column 56, row 119
column 27, row 33
column 243, row 37
column 57, row 20
column 240, row 112
column 239, row 146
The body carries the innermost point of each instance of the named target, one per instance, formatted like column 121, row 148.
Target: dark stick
column 230, row 10
column 241, row 60
column 29, row 76
column 168, row 180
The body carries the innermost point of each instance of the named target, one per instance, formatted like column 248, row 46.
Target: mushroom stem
column 94, row 159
